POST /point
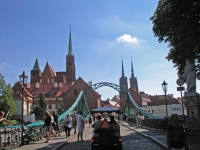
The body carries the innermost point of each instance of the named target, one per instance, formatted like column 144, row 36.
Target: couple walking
column 75, row 121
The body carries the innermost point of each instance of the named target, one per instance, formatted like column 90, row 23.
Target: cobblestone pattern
column 131, row 141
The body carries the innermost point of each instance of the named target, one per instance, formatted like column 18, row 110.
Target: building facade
column 58, row 87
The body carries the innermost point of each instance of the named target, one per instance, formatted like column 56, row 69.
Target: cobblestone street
column 131, row 140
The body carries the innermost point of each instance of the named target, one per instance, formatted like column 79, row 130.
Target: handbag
column 68, row 124
column 53, row 124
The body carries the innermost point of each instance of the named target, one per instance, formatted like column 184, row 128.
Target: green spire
column 132, row 73
column 122, row 69
column 70, row 51
column 37, row 65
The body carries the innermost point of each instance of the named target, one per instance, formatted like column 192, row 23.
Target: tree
column 177, row 22
column 6, row 97
column 39, row 112
column 42, row 102
column 61, row 108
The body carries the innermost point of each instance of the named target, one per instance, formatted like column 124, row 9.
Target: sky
column 103, row 33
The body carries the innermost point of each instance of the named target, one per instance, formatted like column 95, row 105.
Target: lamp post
column 23, row 81
column 164, row 86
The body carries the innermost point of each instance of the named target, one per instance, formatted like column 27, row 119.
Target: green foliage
column 42, row 101
column 39, row 112
column 6, row 97
column 176, row 22
column 61, row 108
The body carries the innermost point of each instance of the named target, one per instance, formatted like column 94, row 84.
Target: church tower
column 36, row 72
column 70, row 63
column 123, row 83
column 133, row 80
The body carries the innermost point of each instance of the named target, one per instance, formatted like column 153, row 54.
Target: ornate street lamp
column 23, row 81
column 164, row 86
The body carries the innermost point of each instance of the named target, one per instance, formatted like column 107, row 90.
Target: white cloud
column 127, row 38
column 3, row 65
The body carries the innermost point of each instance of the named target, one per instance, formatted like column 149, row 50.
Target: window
column 47, row 80
column 50, row 107
column 152, row 111
column 75, row 92
column 148, row 111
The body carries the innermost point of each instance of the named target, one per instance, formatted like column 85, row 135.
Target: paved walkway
column 159, row 137
column 156, row 136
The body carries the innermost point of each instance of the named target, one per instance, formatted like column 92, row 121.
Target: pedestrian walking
column 68, row 125
column 74, row 123
column 47, row 125
column 81, row 126
column 53, row 124
column 125, row 117
column 57, row 126
column 137, row 118
column 90, row 121
column 176, row 136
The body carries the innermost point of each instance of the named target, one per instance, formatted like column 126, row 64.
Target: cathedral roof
column 36, row 65
column 48, row 70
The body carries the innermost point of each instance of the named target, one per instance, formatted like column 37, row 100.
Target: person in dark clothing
column 112, row 120
column 124, row 117
column 57, row 126
column 176, row 136
column 90, row 120
column 47, row 125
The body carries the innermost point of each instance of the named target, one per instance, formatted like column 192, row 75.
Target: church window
column 70, row 63
column 75, row 92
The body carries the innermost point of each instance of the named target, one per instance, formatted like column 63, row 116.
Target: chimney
column 37, row 85
column 90, row 83
column 28, row 85
column 60, row 84
column 55, row 84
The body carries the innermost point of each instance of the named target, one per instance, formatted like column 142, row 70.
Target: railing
column 11, row 136
column 158, row 124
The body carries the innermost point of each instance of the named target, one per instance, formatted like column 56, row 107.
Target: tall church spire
column 70, row 51
column 70, row 63
column 36, row 65
column 122, row 69
column 132, row 73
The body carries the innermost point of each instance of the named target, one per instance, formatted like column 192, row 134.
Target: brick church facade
column 57, row 87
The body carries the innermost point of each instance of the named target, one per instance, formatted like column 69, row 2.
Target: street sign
column 180, row 82
column 180, row 88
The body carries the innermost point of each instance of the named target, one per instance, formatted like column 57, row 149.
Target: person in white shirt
column 80, row 125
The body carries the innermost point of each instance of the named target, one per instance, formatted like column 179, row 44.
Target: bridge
column 11, row 137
